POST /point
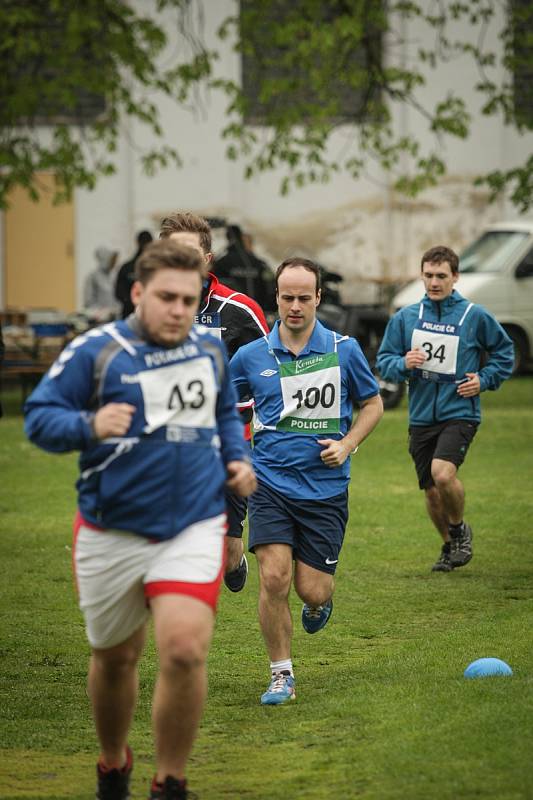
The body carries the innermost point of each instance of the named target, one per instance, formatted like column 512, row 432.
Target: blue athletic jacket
column 290, row 462
column 431, row 402
column 169, row 470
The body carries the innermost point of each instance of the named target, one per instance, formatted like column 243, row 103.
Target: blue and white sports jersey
column 168, row 472
column 299, row 401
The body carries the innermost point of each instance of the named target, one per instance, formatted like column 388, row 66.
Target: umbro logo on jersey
column 268, row 372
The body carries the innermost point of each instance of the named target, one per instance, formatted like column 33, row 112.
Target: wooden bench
column 26, row 375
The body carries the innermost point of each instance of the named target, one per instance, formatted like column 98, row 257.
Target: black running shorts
column 448, row 441
column 236, row 508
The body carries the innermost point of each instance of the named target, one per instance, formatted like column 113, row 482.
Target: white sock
column 282, row 666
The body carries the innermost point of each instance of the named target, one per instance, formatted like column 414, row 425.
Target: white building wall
column 359, row 228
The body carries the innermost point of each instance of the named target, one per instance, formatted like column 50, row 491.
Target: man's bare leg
column 113, row 686
column 275, row 575
column 183, row 630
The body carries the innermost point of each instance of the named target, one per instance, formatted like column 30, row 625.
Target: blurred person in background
column 240, row 269
column 125, row 277
column 99, row 291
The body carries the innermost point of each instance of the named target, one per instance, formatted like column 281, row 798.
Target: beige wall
column 38, row 251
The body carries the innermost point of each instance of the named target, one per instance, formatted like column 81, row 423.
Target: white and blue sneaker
column 281, row 689
column 315, row 617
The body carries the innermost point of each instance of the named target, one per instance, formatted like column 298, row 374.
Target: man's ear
column 318, row 297
column 136, row 293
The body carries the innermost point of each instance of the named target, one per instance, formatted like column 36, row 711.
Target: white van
column 496, row 271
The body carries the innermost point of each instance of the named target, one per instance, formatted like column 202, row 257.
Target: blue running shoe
column 315, row 617
column 281, row 689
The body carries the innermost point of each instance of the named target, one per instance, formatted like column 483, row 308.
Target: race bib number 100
column 311, row 390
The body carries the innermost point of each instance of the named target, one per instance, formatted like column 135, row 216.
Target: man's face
column 167, row 305
column 192, row 240
column 297, row 299
column 439, row 279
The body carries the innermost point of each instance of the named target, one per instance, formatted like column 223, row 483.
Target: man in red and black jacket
column 237, row 320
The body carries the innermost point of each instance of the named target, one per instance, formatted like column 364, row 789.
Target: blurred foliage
column 310, row 67
column 70, row 72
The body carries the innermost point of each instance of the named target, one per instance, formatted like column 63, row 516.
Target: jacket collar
column 210, row 285
column 445, row 304
column 317, row 343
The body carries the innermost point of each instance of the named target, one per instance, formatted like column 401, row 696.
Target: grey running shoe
column 461, row 549
column 443, row 563
column 236, row 579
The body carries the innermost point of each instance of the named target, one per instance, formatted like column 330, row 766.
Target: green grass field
column 383, row 711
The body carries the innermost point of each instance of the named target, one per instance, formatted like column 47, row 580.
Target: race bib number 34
column 311, row 390
column 440, row 344
column 181, row 394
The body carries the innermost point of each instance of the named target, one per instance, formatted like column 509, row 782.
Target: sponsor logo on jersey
column 307, row 363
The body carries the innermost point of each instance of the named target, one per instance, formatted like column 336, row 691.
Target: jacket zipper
column 437, row 385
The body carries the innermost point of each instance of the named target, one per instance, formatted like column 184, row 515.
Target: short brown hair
column 301, row 262
column 166, row 255
column 188, row 222
column 440, row 254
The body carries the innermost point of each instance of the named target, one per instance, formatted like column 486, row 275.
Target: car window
column 490, row 252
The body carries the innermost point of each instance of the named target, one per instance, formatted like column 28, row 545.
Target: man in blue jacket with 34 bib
column 437, row 345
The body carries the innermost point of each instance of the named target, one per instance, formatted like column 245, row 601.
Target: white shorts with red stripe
column 117, row 572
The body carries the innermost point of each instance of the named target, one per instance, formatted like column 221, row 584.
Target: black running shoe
column 236, row 579
column 171, row 789
column 461, row 549
column 114, row 784
column 443, row 563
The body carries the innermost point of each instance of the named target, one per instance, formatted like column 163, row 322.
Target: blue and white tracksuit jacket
column 168, row 471
column 478, row 332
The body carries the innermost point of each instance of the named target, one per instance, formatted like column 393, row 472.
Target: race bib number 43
column 311, row 390
column 181, row 394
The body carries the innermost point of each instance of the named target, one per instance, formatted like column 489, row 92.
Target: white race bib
column 182, row 394
column 441, row 348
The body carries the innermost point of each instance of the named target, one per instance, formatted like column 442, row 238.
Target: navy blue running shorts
column 313, row 528
column 236, row 512
column 448, row 441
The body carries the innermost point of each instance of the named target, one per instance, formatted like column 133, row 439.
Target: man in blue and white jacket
column 149, row 403
column 438, row 345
